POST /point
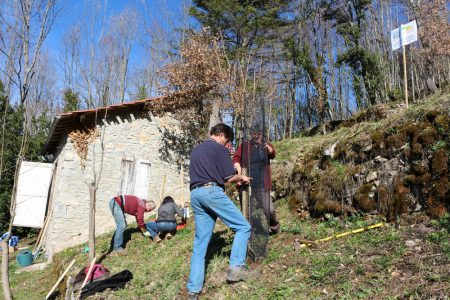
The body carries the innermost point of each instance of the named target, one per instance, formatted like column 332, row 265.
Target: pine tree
column 71, row 100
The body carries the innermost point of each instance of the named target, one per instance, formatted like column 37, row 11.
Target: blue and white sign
column 404, row 35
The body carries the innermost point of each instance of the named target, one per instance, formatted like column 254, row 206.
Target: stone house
column 122, row 148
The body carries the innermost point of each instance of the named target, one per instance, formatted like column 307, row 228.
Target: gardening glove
column 146, row 233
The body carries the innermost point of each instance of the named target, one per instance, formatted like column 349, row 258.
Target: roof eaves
column 50, row 134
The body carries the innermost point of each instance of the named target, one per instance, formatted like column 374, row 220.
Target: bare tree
column 71, row 56
column 92, row 31
column 29, row 21
column 123, row 29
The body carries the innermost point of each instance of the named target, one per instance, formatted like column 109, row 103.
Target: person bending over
column 132, row 205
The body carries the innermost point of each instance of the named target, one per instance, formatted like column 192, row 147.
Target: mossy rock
column 428, row 136
column 383, row 199
column 436, row 211
column 395, row 141
column 362, row 200
column 418, row 169
column 431, row 115
column 411, row 180
column 416, row 152
column 401, row 200
column 439, row 163
column 298, row 200
column 424, row 180
column 440, row 188
column 328, row 206
column 411, row 132
column 442, row 123
column 323, row 203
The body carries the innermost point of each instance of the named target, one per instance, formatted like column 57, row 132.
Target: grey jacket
column 167, row 212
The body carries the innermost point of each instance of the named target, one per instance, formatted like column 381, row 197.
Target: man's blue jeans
column 208, row 204
column 121, row 223
column 160, row 227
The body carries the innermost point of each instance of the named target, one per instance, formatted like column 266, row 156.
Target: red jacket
column 134, row 206
column 243, row 161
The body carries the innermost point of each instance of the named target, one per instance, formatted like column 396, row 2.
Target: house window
column 135, row 177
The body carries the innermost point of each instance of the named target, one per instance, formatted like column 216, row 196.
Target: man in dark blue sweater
column 210, row 168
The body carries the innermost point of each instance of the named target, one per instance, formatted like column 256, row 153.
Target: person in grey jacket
column 166, row 223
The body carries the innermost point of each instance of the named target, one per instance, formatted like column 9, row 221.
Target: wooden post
column 91, row 244
column 87, row 277
column 59, row 280
column 5, row 277
column 41, row 235
column 405, row 77
column 245, row 196
column 182, row 183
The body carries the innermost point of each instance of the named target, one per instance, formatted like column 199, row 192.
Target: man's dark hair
column 222, row 128
column 167, row 199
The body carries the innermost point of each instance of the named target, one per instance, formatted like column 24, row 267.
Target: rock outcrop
column 393, row 169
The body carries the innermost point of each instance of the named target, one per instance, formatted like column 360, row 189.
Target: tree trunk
column 92, row 221
column 214, row 117
column 5, row 277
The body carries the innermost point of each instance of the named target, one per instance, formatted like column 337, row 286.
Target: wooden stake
column 87, row 276
column 59, row 280
column 405, row 76
column 91, row 243
column 42, row 233
column 182, row 184
column 245, row 196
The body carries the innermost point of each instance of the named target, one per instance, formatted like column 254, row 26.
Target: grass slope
column 372, row 264
column 376, row 264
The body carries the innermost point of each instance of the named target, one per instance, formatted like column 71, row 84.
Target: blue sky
column 72, row 10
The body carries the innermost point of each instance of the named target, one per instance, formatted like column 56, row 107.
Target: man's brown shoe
column 237, row 273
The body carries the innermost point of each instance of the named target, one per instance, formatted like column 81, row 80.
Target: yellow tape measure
column 343, row 234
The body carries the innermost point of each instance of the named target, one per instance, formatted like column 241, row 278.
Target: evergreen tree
column 71, row 100
column 350, row 21
column 12, row 132
column 242, row 23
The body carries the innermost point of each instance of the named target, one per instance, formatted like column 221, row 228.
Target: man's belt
column 121, row 198
column 205, row 185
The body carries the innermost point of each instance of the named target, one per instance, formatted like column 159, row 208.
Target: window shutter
column 135, row 177
column 128, row 182
column 142, row 179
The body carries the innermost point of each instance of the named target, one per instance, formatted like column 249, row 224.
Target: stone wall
column 127, row 136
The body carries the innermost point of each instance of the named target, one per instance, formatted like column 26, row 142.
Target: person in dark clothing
column 210, row 167
column 166, row 221
column 132, row 205
column 256, row 155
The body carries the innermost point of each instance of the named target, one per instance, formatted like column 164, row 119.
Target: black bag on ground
column 116, row 281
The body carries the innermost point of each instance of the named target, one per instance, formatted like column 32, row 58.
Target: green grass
column 358, row 266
